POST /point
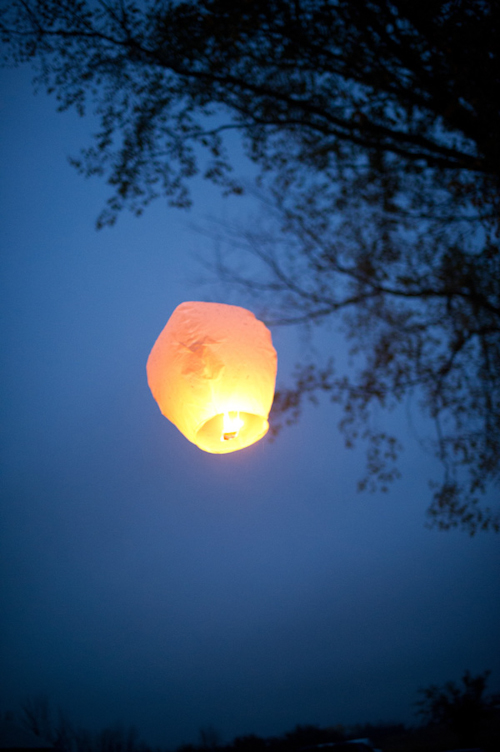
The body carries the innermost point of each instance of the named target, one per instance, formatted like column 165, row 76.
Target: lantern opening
column 213, row 437
column 231, row 424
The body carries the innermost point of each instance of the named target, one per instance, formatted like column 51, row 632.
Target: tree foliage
column 460, row 708
column 375, row 130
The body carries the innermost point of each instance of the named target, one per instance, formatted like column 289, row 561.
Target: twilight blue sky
column 146, row 582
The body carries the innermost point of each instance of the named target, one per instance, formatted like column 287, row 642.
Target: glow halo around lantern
column 211, row 364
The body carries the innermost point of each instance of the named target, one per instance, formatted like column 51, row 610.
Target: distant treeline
column 454, row 715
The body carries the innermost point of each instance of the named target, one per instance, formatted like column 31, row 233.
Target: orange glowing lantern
column 212, row 372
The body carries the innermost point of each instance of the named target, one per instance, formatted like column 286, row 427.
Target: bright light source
column 212, row 372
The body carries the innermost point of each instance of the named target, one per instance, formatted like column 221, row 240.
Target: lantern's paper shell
column 212, row 359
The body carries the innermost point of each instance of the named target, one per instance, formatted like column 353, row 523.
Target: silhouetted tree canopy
column 375, row 129
column 460, row 708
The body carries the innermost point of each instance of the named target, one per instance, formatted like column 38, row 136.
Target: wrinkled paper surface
column 209, row 359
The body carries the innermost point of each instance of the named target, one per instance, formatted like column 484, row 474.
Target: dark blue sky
column 146, row 582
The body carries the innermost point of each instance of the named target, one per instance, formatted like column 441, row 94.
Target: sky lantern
column 212, row 372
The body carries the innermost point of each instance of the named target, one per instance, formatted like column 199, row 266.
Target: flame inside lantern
column 231, row 425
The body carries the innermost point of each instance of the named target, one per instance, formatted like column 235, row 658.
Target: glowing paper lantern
column 212, row 372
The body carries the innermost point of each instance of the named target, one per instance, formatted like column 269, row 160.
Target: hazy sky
column 147, row 582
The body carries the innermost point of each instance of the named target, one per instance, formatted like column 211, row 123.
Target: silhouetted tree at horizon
column 460, row 708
